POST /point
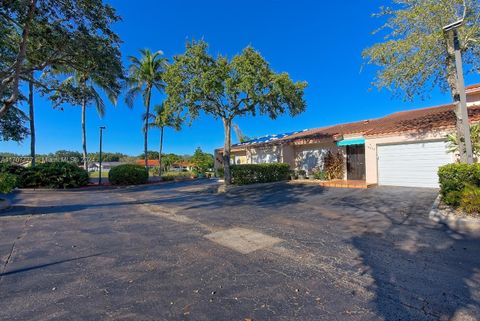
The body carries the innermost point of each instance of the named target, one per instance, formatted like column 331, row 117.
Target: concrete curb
column 453, row 221
column 4, row 204
column 222, row 188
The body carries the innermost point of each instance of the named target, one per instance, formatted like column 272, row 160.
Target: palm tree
column 82, row 86
column 161, row 119
column 144, row 74
column 475, row 136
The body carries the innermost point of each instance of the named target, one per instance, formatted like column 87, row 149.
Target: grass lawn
column 95, row 174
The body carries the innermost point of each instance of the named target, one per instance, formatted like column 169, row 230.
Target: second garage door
column 414, row 165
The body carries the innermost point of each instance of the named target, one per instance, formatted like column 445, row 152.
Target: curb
column 4, row 204
column 455, row 223
column 222, row 188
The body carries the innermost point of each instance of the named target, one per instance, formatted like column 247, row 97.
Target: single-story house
column 106, row 166
column 401, row 149
column 182, row 166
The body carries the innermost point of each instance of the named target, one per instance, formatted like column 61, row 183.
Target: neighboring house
column 402, row 149
column 183, row 166
column 150, row 163
column 106, row 166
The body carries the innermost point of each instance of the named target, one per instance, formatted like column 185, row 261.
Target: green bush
column 453, row 198
column 220, row 172
column 259, row 173
column 8, row 182
column 470, row 199
column 170, row 176
column 128, row 174
column 54, row 175
column 319, row 174
column 12, row 169
column 51, row 175
column 454, row 178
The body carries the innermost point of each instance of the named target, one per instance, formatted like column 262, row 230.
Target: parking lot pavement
column 273, row 252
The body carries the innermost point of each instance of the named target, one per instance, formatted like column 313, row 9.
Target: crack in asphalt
column 12, row 249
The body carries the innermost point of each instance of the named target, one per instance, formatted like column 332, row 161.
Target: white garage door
column 413, row 165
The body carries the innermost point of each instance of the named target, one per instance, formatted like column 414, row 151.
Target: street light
column 465, row 147
column 100, row 156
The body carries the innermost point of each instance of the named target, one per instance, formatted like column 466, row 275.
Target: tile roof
column 150, row 162
column 418, row 120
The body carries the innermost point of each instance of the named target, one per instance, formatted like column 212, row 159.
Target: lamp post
column 100, row 156
column 465, row 146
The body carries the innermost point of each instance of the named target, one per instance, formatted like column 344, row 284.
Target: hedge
column 128, row 174
column 259, row 173
column 454, row 178
column 8, row 182
column 50, row 175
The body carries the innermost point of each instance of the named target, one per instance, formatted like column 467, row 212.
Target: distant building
column 106, row 166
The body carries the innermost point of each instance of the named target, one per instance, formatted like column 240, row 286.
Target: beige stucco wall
column 308, row 157
column 371, row 144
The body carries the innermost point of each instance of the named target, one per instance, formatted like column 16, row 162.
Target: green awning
column 353, row 141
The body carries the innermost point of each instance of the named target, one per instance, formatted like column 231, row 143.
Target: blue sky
column 317, row 41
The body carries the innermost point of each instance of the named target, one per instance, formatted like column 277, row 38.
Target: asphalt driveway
column 275, row 252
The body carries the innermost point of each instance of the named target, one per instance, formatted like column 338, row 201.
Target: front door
column 356, row 162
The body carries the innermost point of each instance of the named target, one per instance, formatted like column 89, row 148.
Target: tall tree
column 225, row 89
column 31, row 117
column 37, row 34
column 417, row 55
column 162, row 118
column 81, row 89
column 144, row 75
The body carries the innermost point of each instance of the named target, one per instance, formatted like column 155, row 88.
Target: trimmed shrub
column 8, row 182
column 259, row 173
column 454, row 177
column 51, row 175
column 220, row 172
column 54, row 175
column 452, row 198
column 12, row 169
column 170, row 176
column 470, row 199
column 128, row 174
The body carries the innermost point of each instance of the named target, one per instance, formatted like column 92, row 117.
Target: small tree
column 225, row 89
column 202, row 162
column 161, row 119
column 417, row 55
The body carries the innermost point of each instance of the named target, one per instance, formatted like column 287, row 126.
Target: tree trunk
column 32, row 121
column 452, row 83
column 227, row 125
column 84, row 134
column 145, row 137
column 160, row 152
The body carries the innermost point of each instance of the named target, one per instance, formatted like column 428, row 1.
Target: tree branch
column 19, row 61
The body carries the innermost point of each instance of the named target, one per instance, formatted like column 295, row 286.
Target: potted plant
column 301, row 173
column 319, row 174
